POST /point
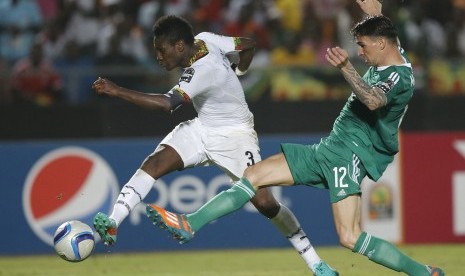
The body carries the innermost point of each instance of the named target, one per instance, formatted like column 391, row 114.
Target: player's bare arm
column 370, row 7
column 372, row 97
column 246, row 54
column 150, row 101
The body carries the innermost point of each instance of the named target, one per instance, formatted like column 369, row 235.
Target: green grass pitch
column 250, row 262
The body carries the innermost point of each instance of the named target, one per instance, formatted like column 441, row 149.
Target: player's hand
column 370, row 7
column 338, row 57
column 104, row 86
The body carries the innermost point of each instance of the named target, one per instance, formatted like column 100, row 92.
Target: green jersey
column 373, row 135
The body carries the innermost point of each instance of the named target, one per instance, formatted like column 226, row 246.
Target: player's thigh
column 273, row 171
column 164, row 161
column 343, row 170
column 186, row 140
column 303, row 164
column 343, row 176
column 233, row 151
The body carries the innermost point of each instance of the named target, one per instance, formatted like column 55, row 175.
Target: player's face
column 167, row 55
column 369, row 48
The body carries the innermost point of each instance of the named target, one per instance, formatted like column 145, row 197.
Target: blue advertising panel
column 45, row 183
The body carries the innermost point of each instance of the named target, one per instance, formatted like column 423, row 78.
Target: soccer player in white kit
column 223, row 133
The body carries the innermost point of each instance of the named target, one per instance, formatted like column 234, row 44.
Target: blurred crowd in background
column 52, row 50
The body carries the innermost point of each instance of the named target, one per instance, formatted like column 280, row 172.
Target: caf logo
column 381, row 205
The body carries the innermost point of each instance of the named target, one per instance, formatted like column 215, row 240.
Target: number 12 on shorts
column 339, row 174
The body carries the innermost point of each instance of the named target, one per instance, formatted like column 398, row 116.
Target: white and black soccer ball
column 74, row 241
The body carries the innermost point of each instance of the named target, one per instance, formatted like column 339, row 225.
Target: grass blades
column 250, row 262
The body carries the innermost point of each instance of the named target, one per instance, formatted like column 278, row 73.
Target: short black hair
column 173, row 28
column 379, row 25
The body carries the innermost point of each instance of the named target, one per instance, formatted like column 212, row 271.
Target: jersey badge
column 187, row 75
column 387, row 85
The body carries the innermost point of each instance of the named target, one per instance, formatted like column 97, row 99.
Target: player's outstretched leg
column 323, row 269
column 435, row 271
column 175, row 224
column 106, row 228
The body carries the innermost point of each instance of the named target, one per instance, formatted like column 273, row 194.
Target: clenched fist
column 105, row 86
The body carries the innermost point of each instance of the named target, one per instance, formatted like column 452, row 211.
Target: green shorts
column 327, row 165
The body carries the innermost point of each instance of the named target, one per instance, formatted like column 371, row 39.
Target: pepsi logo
column 68, row 183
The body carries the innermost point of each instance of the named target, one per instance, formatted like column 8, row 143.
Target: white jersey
column 223, row 133
column 213, row 87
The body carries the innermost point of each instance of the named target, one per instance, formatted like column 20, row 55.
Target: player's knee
column 162, row 162
column 345, row 242
column 347, row 237
column 251, row 175
column 268, row 207
column 248, row 173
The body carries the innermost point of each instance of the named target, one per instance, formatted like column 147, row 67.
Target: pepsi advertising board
column 47, row 183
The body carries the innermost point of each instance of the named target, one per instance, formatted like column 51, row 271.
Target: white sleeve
column 226, row 44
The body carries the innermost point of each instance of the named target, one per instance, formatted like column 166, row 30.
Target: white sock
column 132, row 193
column 288, row 225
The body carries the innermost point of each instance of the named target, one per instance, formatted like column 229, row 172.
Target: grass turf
column 266, row 262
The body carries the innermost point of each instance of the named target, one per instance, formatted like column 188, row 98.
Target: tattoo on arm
column 372, row 97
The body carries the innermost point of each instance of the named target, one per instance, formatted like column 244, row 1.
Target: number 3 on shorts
column 249, row 154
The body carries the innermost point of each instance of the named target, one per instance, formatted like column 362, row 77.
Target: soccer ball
column 74, row 241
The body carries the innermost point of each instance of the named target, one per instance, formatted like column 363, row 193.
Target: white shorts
column 231, row 149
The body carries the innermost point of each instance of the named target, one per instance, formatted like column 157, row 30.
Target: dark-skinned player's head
column 173, row 29
column 173, row 41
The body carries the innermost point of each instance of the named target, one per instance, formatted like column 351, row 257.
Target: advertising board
column 48, row 182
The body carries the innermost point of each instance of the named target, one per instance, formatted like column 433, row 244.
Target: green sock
column 386, row 254
column 222, row 204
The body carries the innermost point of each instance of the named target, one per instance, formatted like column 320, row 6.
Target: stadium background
column 294, row 95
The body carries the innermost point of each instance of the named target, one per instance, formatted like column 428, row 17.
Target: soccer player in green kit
column 362, row 143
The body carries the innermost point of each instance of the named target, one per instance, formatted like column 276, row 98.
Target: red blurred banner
column 433, row 187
